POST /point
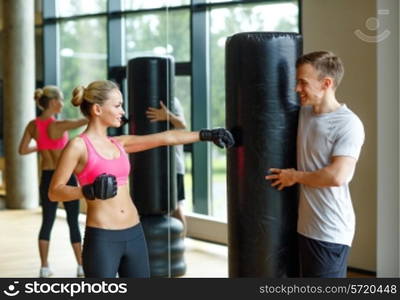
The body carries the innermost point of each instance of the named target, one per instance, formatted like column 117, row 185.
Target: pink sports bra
column 96, row 164
column 44, row 142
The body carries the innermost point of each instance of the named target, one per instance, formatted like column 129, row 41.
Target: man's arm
column 336, row 173
column 164, row 114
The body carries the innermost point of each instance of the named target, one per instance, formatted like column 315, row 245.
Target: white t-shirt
column 177, row 109
column 327, row 214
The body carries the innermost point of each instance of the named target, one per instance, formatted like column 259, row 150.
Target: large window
column 73, row 7
column 216, row 1
column 158, row 33
column 83, row 56
column 147, row 4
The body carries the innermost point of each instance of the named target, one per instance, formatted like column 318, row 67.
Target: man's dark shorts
column 322, row 259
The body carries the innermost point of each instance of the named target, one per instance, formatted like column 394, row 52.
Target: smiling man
column 329, row 141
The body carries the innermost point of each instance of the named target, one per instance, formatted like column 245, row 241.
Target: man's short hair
column 326, row 63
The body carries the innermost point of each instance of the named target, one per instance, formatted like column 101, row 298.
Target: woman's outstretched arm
column 57, row 129
column 135, row 143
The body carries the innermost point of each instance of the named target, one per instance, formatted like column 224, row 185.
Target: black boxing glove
column 104, row 187
column 219, row 136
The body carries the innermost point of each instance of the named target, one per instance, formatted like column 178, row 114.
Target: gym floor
column 19, row 254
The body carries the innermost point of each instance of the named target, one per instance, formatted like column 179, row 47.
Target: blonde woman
column 114, row 241
column 51, row 137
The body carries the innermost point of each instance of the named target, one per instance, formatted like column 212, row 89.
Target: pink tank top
column 44, row 142
column 96, row 164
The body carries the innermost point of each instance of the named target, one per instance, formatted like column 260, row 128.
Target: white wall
column 330, row 25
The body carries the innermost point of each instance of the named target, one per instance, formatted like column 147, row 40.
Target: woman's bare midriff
column 114, row 213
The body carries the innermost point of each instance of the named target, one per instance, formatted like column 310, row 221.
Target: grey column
column 388, row 143
column 200, row 109
column 19, row 106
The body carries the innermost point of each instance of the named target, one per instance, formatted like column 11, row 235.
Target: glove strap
column 88, row 191
column 205, row 135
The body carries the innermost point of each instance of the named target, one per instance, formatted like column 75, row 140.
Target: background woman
column 51, row 136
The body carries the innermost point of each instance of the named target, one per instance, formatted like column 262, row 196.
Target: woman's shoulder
column 32, row 122
column 31, row 125
column 77, row 143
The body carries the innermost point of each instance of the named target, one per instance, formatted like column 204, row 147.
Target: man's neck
column 328, row 104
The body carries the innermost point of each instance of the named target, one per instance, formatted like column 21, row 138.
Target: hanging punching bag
column 262, row 112
column 153, row 180
column 153, row 184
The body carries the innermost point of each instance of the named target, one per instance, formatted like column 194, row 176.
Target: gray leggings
column 107, row 252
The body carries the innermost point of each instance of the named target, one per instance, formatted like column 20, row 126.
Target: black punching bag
column 153, row 185
column 153, row 180
column 262, row 112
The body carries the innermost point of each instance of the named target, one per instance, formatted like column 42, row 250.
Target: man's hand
column 157, row 114
column 282, row 177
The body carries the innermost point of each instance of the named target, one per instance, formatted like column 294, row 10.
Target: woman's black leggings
column 49, row 209
column 107, row 252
